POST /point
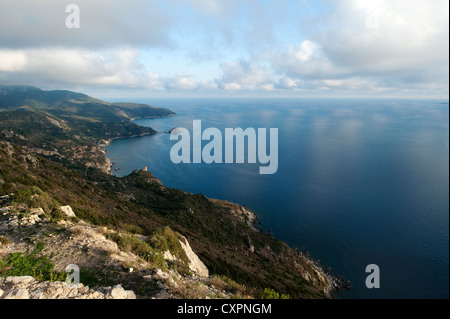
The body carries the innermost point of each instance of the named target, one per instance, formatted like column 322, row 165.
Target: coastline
column 335, row 283
column 105, row 142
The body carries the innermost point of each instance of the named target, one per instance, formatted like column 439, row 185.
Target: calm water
column 359, row 182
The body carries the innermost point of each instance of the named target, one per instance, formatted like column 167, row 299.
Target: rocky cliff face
column 112, row 213
column 69, row 241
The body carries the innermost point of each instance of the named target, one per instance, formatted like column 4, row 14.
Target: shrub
column 129, row 243
column 34, row 197
column 41, row 268
column 166, row 239
column 227, row 284
column 269, row 293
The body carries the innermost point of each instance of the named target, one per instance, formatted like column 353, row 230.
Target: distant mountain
column 69, row 127
column 68, row 105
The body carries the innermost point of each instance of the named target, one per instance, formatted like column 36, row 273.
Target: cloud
column 115, row 68
column 380, row 45
column 243, row 75
column 384, row 36
column 351, row 46
column 103, row 24
column 308, row 60
column 182, row 82
column 12, row 61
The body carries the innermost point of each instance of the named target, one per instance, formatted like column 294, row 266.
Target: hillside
column 68, row 127
column 64, row 165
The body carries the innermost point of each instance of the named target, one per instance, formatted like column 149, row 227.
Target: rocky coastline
column 335, row 283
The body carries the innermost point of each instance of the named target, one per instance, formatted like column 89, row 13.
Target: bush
column 166, row 239
column 41, row 268
column 269, row 293
column 129, row 243
column 34, row 197
column 227, row 284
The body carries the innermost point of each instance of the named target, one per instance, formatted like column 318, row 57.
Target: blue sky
column 302, row 48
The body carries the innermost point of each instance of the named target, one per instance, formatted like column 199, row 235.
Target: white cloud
column 287, row 83
column 182, row 82
column 343, row 46
column 12, row 61
column 385, row 36
column 308, row 60
column 242, row 75
column 119, row 67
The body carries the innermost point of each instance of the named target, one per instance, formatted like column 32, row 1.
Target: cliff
column 164, row 228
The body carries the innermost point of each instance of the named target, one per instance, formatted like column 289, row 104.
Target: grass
column 136, row 205
column 98, row 277
column 227, row 284
column 34, row 197
column 129, row 243
column 39, row 267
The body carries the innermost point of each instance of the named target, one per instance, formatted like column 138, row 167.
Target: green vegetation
column 35, row 265
column 98, row 277
column 167, row 240
column 129, row 243
column 65, row 128
column 269, row 293
column 34, row 197
column 229, row 285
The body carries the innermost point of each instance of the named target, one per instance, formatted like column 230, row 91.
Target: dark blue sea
column 359, row 181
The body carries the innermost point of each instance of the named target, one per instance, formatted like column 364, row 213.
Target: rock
column 37, row 211
column 18, row 293
column 130, row 294
column 168, row 256
column 195, row 264
column 68, row 211
column 159, row 274
column 118, row 292
column 25, row 288
column 36, row 294
column 20, row 280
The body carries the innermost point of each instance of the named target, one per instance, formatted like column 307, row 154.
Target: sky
column 228, row 48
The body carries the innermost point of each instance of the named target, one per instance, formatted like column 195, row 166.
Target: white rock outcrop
column 195, row 264
column 27, row 287
column 68, row 211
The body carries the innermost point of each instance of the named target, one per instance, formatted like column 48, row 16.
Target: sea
column 359, row 182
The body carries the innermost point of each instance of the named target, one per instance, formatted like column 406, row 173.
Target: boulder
column 20, row 280
column 195, row 264
column 118, row 292
column 68, row 211
column 36, row 211
column 18, row 293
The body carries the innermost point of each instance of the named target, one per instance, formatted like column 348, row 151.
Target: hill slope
column 63, row 164
column 66, row 126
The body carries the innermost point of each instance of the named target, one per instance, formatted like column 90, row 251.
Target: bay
column 359, row 181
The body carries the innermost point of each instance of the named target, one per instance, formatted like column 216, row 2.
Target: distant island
column 56, row 187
